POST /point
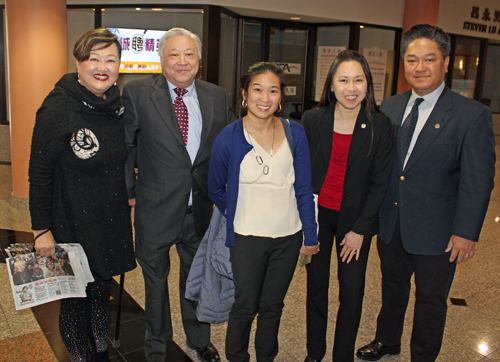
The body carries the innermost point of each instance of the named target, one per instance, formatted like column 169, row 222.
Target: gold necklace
column 265, row 168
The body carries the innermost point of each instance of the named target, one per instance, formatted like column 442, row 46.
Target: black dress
column 77, row 177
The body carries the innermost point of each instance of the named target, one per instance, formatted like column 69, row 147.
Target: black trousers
column 351, row 277
column 154, row 260
column 433, row 278
column 262, row 271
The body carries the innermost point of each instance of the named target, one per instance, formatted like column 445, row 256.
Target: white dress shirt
column 195, row 121
column 424, row 111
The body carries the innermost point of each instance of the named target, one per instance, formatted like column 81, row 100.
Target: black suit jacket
column 367, row 172
column 446, row 185
column 165, row 172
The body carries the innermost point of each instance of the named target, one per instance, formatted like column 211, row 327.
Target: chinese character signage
column 139, row 50
column 480, row 18
column 377, row 59
column 325, row 58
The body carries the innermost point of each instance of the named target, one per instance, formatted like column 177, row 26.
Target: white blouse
column 266, row 203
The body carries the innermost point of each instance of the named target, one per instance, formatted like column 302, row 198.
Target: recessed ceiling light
column 295, row 18
column 137, row 8
column 361, row 26
column 157, row 9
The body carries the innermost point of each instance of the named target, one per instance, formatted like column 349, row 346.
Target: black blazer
column 445, row 187
column 367, row 173
column 165, row 172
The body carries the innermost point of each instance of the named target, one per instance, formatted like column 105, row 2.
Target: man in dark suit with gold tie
column 171, row 121
column 438, row 195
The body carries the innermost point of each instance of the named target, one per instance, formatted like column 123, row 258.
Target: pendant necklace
column 265, row 168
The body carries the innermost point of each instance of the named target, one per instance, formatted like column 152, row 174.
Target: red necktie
column 182, row 113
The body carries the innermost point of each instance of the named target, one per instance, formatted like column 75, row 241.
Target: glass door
column 288, row 49
column 465, row 66
column 377, row 45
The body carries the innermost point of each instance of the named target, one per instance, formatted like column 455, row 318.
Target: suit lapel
column 207, row 113
column 325, row 128
column 163, row 103
column 396, row 115
column 433, row 126
column 360, row 135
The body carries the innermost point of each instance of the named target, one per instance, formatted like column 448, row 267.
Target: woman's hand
column 309, row 251
column 44, row 245
column 352, row 246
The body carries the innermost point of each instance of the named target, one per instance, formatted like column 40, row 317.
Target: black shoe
column 98, row 357
column 207, row 354
column 310, row 359
column 376, row 350
column 101, row 357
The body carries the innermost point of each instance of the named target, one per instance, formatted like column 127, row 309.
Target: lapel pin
column 437, row 126
column 363, row 125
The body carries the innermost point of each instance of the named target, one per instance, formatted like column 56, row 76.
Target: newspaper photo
column 36, row 279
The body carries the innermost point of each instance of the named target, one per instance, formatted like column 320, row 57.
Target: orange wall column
column 416, row 12
column 36, row 56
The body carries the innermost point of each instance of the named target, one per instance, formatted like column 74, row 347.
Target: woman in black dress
column 77, row 185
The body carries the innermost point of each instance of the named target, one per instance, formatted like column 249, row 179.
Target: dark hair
column 83, row 46
column 429, row 32
column 328, row 96
column 261, row 68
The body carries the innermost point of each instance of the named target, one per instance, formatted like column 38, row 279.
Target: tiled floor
column 125, row 342
column 472, row 332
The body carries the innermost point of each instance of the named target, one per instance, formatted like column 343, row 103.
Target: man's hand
column 461, row 249
column 131, row 202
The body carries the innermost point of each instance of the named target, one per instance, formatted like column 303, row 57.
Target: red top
column 331, row 192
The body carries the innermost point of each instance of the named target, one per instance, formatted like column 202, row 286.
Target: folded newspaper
column 37, row 279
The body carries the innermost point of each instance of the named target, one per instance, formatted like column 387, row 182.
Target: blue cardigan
column 228, row 151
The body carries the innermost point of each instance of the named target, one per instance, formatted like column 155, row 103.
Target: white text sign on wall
column 480, row 18
column 326, row 56
column 377, row 59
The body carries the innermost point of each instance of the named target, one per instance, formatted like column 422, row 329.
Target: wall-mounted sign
column 325, row 57
column 377, row 59
column 290, row 91
column 290, row 68
column 487, row 21
column 139, row 50
column 464, row 87
column 479, row 18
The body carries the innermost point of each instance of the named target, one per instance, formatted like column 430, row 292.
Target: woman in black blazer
column 351, row 145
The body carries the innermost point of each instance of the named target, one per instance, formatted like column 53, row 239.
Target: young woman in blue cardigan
column 260, row 179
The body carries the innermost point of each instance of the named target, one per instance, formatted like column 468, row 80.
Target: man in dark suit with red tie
column 171, row 121
column 438, row 195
